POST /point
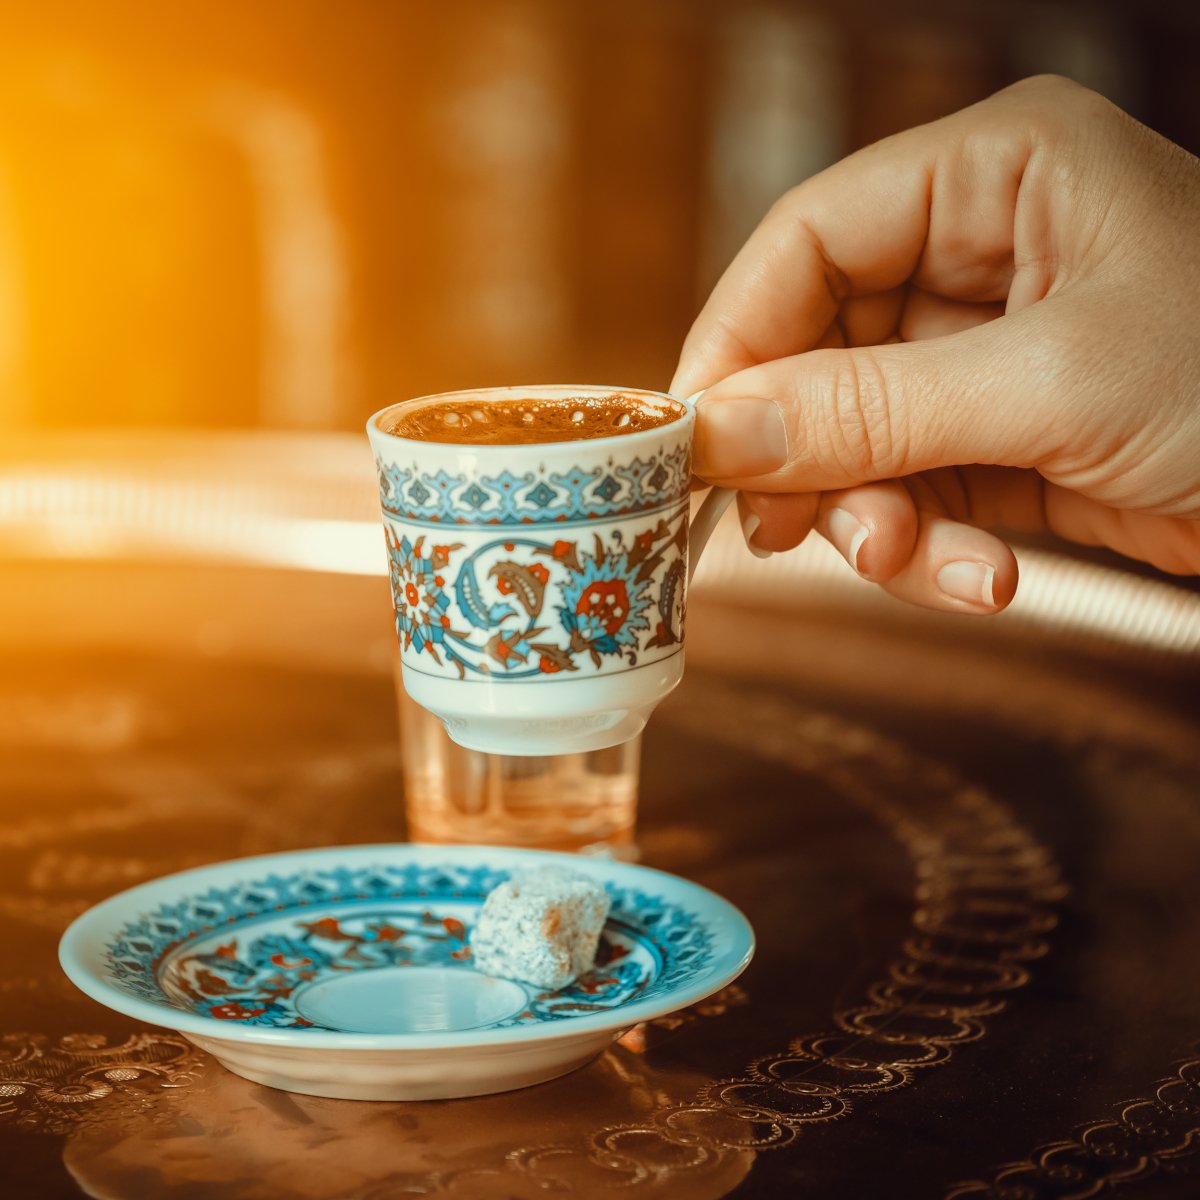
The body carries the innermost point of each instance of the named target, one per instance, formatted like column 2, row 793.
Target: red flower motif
column 607, row 602
column 592, row 986
column 563, row 549
column 233, row 1011
column 282, row 960
column 502, row 650
column 387, row 932
column 548, row 666
column 328, row 928
column 540, row 572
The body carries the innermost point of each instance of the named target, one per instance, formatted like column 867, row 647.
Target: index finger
column 934, row 205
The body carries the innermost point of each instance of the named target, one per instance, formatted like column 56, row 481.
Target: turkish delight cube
column 541, row 926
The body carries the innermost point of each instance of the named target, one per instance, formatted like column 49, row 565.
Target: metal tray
column 969, row 849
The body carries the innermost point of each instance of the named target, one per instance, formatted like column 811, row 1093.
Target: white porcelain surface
column 347, row 971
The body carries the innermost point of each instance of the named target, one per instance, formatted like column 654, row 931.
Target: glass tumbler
column 585, row 802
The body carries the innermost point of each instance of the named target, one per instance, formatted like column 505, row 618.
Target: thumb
column 836, row 418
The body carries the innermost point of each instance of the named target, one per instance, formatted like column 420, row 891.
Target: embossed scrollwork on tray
column 55, row 1087
column 1152, row 1135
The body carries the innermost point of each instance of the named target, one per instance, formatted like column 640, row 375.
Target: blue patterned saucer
column 347, row 971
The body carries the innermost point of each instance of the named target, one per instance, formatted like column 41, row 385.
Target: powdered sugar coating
column 541, row 927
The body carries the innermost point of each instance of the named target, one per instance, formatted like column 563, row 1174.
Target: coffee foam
column 517, row 421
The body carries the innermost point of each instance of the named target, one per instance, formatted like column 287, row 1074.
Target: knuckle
column 1046, row 84
column 788, row 203
column 857, row 432
column 1057, row 106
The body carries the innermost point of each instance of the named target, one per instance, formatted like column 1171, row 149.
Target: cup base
column 523, row 719
column 530, row 738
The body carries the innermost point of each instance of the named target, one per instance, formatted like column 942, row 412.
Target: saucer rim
column 80, row 950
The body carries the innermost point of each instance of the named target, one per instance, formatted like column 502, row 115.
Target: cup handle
column 711, row 510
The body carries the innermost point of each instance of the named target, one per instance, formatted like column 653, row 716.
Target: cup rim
column 687, row 413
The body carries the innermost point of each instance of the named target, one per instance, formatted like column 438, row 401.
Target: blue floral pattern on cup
column 523, row 606
column 245, row 954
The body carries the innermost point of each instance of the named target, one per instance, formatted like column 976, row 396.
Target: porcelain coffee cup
column 540, row 590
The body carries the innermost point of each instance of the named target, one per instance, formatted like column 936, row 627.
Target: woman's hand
column 988, row 321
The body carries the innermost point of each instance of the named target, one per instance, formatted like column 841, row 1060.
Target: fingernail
column 847, row 533
column 738, row 438
column 750, row 525
column 969, row 581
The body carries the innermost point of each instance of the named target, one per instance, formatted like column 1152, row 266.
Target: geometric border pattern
column 535, row 497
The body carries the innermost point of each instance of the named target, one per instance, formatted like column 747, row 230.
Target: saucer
column 347, row 971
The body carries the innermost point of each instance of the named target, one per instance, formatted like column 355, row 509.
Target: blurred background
column 287, row 213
